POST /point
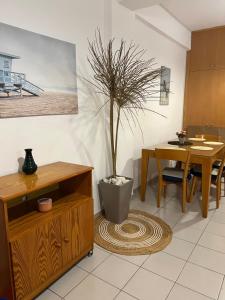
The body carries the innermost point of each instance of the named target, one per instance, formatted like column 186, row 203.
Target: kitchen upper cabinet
column 218, row 108
column 220, row 48
column 205, row 99
column 199, row 98
column 208, row 49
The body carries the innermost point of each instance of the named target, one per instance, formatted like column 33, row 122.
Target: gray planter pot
column 116, row 200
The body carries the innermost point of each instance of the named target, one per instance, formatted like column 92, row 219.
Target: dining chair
column 213, row 138
column 173, row 175
column 216, row 176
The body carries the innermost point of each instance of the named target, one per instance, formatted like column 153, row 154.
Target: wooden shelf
column 27, row 222
column 18, row 184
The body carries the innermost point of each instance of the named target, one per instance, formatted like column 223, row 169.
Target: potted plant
column 126, row 80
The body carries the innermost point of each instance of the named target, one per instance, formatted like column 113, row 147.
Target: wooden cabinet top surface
column 19, row 184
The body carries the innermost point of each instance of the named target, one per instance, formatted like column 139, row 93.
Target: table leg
column 144, row 173
column 206, row 183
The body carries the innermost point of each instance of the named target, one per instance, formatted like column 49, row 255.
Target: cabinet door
column 199, row 108
column 85, row 226
column 220, row 48
column 70, row 238
column 207, row 49
column 218, row 109
column 205, row 100
column 203, row 50
column 77, row 231
column 36, row 255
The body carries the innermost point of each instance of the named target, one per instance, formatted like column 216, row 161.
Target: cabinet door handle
column 66, row 240
column 58, row 245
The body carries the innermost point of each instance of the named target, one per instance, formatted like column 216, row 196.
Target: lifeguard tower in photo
column 12, row 83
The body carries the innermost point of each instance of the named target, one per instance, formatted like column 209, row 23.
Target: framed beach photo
column 37, row 74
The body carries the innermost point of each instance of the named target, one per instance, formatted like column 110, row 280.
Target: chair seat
column 173, row 175
column 197, row 171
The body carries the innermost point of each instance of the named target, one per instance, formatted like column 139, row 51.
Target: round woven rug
column 141, row 233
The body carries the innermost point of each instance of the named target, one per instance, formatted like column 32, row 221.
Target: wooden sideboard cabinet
column 36, row 248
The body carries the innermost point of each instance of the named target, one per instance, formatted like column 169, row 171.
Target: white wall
column 155, row 128
column 81, row 138
column 78, row 138
column 166, row 24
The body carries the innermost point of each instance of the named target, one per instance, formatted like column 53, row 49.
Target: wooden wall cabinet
column 204, row 103
column 207, row 49
column 39, row 247
column 205, row 98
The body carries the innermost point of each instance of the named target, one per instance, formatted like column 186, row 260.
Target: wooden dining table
column 205, row 158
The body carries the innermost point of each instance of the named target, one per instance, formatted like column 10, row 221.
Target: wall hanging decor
column 164, row 86
column 37, row 74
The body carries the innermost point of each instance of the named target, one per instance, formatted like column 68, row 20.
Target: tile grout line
column 176, row 282
column 197, row 263
column 91, row 273
column 127, row 294
column 221, row 287
column 193, row 263
column 120, row 289
column 110, row 254
column 53, row 293
column 199, row 293
column 140, row 266
column 72, row 287
column 157, row 274
column 204, row 231
column 187, row 261
column 88, row 273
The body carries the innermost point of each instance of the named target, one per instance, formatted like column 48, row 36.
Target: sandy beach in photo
column 49, row 103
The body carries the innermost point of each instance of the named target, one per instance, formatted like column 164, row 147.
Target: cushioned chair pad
column 173, row 174
column 197, row 171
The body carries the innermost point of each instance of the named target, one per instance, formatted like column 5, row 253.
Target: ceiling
column 194, row 14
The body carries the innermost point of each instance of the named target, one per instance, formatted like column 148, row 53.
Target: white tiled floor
column 165, row 265
column 192, row 267
column 115, row 271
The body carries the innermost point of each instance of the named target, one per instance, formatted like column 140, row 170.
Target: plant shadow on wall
column 86, row 130
column 87, row 138
column 127, row 81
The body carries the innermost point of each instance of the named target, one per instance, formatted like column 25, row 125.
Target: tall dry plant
column 125, row 78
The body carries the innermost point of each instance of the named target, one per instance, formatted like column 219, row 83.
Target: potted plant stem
column 126, row 80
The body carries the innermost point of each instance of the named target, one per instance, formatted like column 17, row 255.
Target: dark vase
column 29, row 166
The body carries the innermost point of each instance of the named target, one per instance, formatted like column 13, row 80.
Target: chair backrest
column 222, row 158
column 193, row 130
column 209, row 137
column 172, row 154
